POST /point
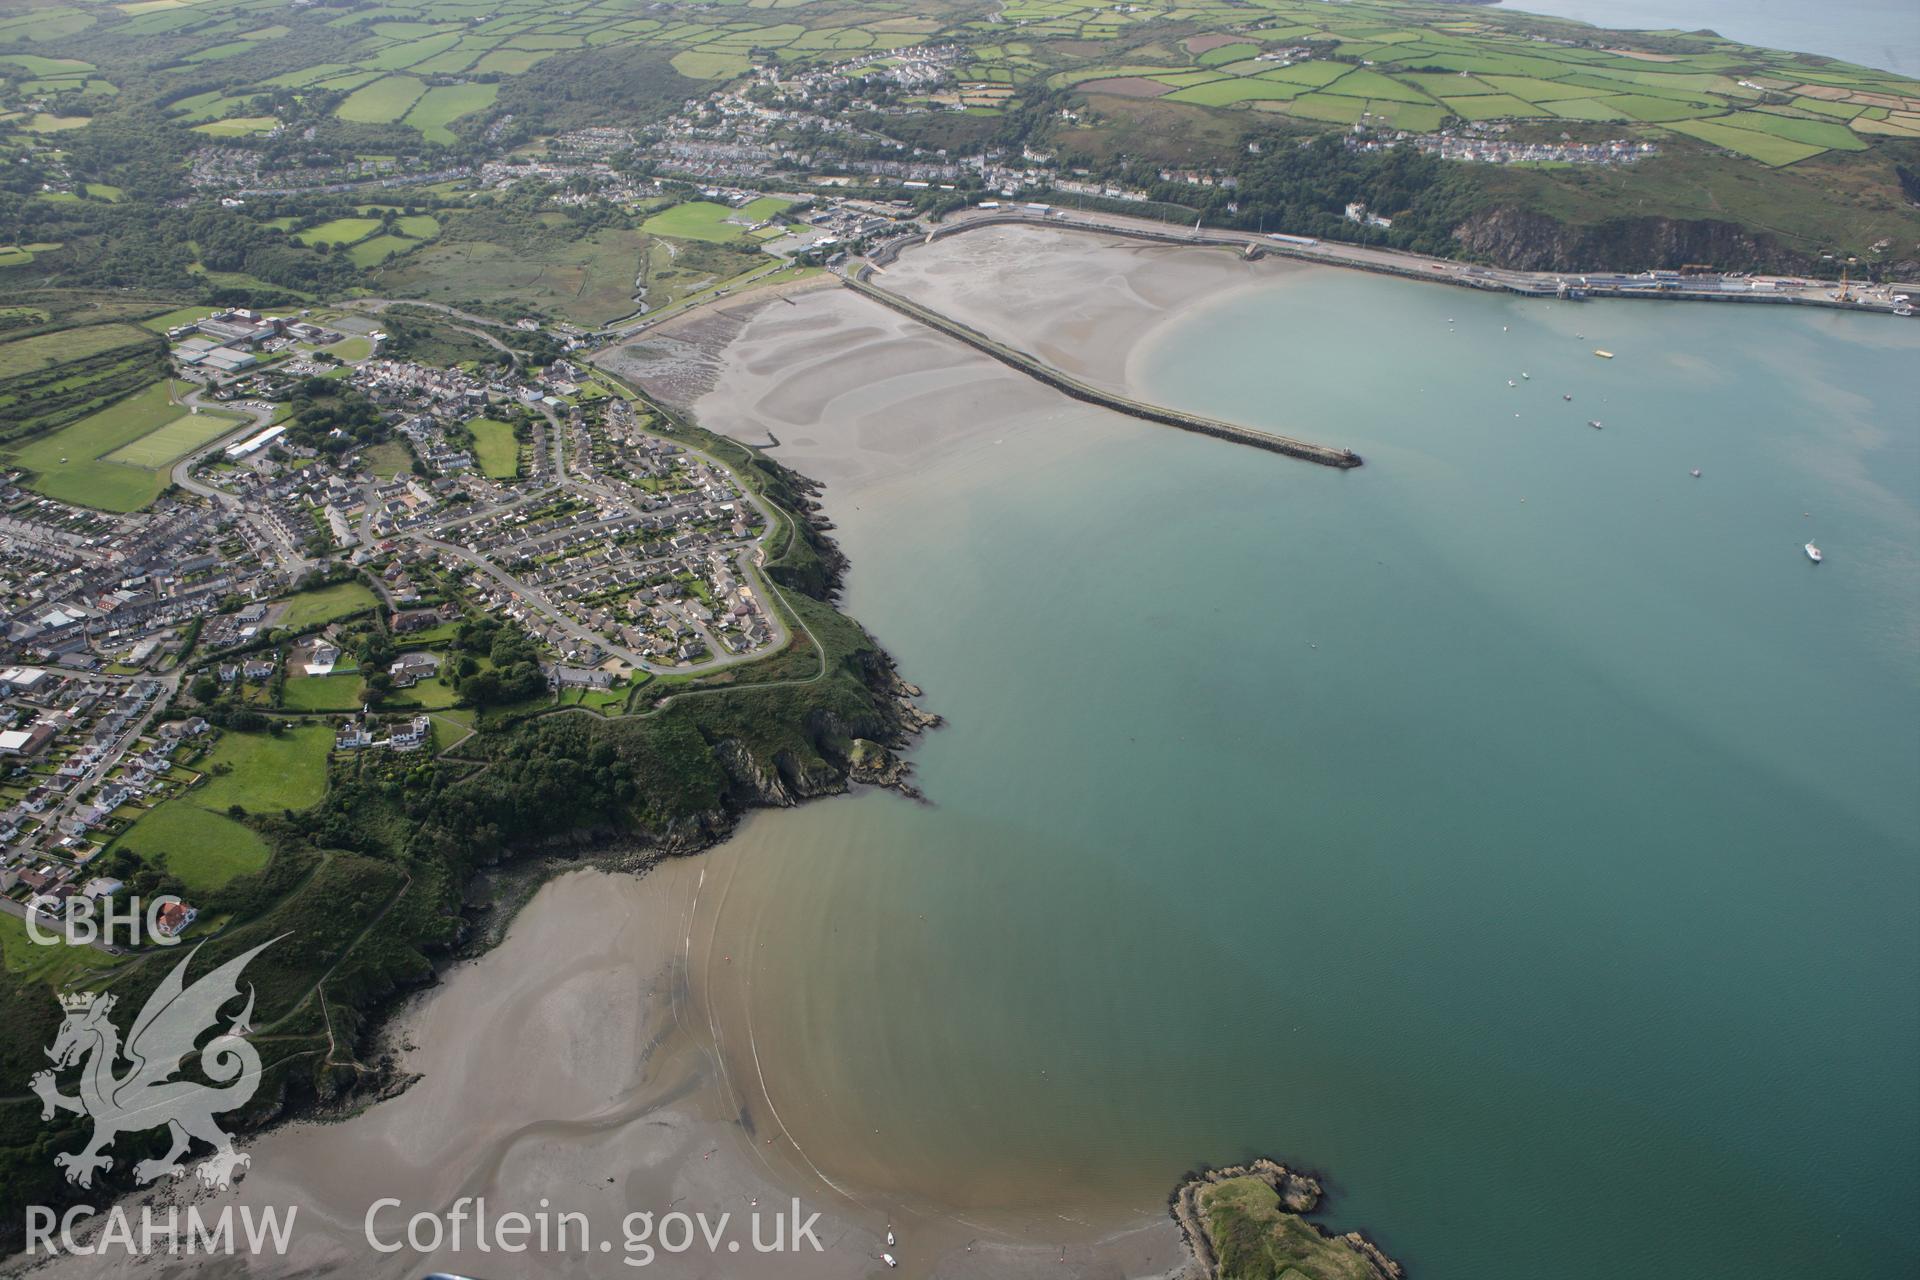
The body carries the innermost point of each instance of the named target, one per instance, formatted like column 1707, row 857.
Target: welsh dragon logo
column 147, row 1094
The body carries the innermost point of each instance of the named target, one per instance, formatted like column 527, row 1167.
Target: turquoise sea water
column 1518, row 828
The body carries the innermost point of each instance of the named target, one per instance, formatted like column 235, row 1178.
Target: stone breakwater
column 1300, row 1194
column 1039, row 370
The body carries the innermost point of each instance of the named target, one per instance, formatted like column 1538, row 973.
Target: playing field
column 176, row 440
column 696, row 220
column 88, row 462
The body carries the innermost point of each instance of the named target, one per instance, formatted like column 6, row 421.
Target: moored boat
column 1813, row 553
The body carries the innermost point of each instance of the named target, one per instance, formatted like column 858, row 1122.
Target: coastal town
column 328, row 575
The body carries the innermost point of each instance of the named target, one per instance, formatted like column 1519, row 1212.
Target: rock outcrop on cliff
column 1275, row 1234
column 1527, row 240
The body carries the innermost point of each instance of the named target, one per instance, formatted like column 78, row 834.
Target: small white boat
column 1594, row 423
column 1813, row 553
column 1695, row 473
column 1526, row 377
column 888, row 1259
column 1511, row 382
column 1565, row 396
column 1604, row 355
column 889, row 1239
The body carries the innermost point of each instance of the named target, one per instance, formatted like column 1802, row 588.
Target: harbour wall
column 1324, row 455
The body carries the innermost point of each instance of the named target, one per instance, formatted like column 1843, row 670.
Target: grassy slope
column 1840, row 200
column 1255, row 1239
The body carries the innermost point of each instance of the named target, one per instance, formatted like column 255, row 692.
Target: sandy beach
column 856, row 394
column 1084, row 303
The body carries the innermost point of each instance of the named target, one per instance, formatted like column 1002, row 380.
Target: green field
column 203, row 848
column 586, row 280
column 266, row 772
column 311, row 609
column 763, row 208
column 26, row 355
column 388, row 458
column 339, row 231
column 375, row 250
column 495, row 448
column 337, row 692
column 237, row 126
column 443, row 104
column 1767, row 148
column 698, row 220
column 172, row 319
column 1410, row 67
column 1222, row 93
column 58, row 964
column 260, row 772
column 72, row 463
column 381, row 102
column 168, row 444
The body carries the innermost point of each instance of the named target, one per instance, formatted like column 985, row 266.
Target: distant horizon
column 1866, row 33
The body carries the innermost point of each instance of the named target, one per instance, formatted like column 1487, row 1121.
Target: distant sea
column 1518, row 828
column 1873, row 33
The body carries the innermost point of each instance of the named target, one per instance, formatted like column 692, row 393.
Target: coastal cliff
column 1528, row 240
column 1249, row 1222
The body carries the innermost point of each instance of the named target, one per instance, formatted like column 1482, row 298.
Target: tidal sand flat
column 1080, row 302
column 557, row 1073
